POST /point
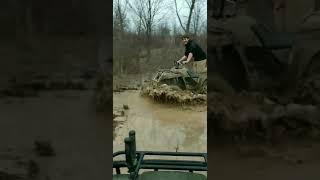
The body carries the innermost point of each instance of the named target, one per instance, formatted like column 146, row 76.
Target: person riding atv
column 193, row 55
column 183, row 77
column 177, row 85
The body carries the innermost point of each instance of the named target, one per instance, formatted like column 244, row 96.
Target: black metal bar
column 129, row 158
column 119, row 164
column 171, row 153
column 156, row 164
column 164, row 153
column 206, row 158
column 163, row 161
column 118, row 153
column 122, row 164
column 134, row 160
column 118, row 170
column 138, row 167
column 132, row 136
column 181, row 168
column 175, row 162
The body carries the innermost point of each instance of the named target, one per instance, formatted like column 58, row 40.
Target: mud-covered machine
column 138, row 165
column 182, row 77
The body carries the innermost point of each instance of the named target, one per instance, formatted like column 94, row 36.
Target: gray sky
column 168, row 14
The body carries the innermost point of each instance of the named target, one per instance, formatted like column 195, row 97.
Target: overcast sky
column 168, row 14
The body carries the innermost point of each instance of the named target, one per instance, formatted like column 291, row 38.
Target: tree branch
column 175, row 3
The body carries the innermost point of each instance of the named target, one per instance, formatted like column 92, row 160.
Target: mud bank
column 256, row 117
column 172, row 95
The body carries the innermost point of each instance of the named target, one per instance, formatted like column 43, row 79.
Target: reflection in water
column 161, row 127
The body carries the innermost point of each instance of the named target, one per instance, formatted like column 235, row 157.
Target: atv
column 182, row 77
column 137, row 162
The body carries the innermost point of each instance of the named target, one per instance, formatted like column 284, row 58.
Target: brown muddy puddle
column 160, row 127
column 69, row 120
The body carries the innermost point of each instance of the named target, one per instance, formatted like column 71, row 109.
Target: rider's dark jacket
column 195, row 49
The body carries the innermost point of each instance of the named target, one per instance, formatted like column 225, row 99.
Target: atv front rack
column 136, row 161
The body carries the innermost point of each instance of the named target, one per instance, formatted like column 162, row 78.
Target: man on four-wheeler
column 193, row 55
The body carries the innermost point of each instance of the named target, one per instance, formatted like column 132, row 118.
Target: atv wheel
column 204, row 87
column 181, row 83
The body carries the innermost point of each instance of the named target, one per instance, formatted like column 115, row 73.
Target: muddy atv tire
column 181, row 84
column 204, row 87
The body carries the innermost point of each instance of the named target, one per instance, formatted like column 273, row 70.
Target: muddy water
column 160, row 127
column 69, row 120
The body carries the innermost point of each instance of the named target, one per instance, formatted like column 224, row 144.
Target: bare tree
column 119, row 27
column 203, row 28
column 138, row 24
column 147, row 11
column 191, row 5
column 120, row 17
column 199, row 20
column 196, row 22
column 164, row 31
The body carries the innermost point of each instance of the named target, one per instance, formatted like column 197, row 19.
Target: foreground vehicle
column 137, row 163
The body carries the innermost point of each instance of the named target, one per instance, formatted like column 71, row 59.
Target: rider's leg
column 200, row 66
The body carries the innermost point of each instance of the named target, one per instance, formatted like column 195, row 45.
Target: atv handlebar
column 177, row 64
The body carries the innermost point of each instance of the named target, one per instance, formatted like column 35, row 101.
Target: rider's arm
column 189, row 58
column 182, row 59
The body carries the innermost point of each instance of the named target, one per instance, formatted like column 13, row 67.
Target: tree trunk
column 190, row 16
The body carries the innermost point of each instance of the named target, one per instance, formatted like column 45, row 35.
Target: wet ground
column 159, row 127
column 295, row 161
column 80, row 137
column 68, row 119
